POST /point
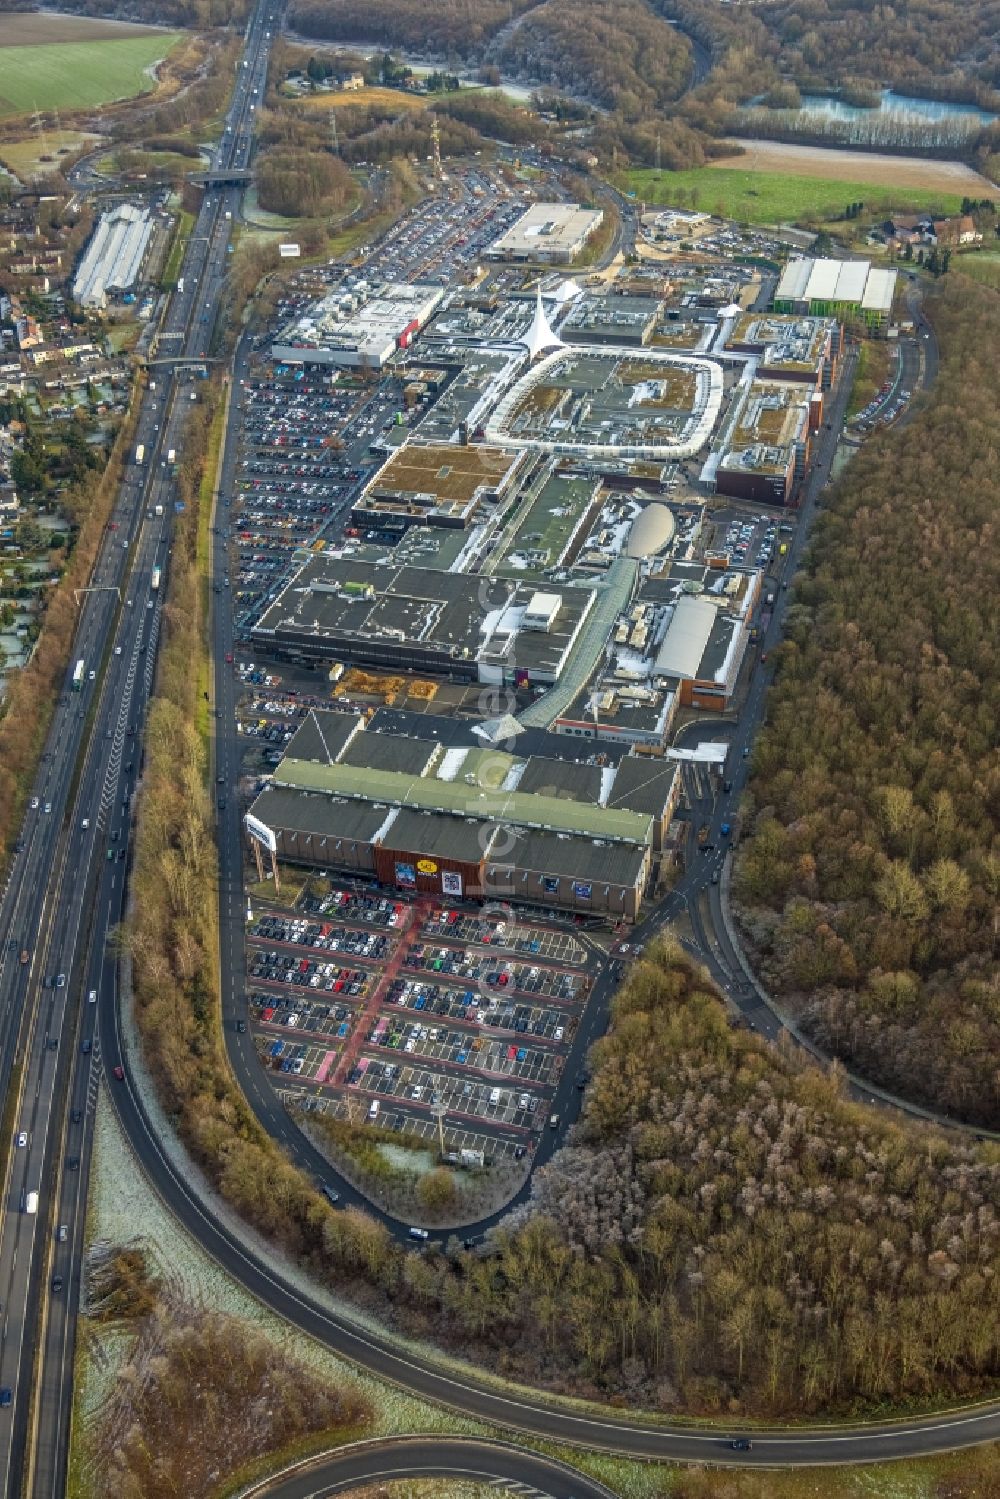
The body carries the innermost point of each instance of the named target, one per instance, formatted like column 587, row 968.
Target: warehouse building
column 547, row 233
column 836, row 288
column 359, row 328
column 113, row 259
column 465, row 822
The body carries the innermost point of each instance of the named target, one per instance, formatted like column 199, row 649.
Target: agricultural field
column 67, row 62
column 774, row 197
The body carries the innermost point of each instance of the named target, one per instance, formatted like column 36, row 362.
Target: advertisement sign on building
column 451, row 883
column 550, row 884
column 261, row 832
column 582, row 890
column 406, row 875
column 426, row 866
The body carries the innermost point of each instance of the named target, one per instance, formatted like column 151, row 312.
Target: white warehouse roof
column 880, row 291
column 113, row 258
column 687, row 635
column 822, row 283
column 851, row 281
column 793, row 279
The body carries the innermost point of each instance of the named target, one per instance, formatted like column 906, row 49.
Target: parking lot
column 348, row 997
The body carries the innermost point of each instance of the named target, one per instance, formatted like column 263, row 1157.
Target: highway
column 67, row 887
column 500, row 1464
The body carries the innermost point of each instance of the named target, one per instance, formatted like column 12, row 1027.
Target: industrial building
column 437, row 484
column 113, row 259
column 357, row 327
column 466, row 822
column 836, row 288
column 547, row 233
column 402, row 618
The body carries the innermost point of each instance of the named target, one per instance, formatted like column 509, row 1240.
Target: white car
column 22, row 1139
column 92, row 997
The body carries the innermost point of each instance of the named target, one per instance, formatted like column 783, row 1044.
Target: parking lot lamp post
column 439, row 1110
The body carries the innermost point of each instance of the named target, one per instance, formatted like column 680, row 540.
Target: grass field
column 24, row 157
column 776, row 198
column 78, row 75
column 984, row 267
column 385, row 98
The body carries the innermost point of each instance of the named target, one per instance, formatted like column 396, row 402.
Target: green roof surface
column 529, row 809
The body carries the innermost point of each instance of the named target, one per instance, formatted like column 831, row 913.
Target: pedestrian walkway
column 612, row 598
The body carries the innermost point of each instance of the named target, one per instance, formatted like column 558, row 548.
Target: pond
column 894, row 106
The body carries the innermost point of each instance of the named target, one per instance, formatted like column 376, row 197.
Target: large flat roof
column 574, row 858
column 428, row 793
column 452, row 472
column 879, row 291
column 284, row 808
column 547, row 227
column 687, row 636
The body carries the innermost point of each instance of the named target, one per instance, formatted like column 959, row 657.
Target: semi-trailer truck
column 78, row 674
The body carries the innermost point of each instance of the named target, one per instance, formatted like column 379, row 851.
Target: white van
column 373, row 1110
column 31, row 1203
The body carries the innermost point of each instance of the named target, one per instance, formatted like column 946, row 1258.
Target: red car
column 229, row 658
column 120, row 1074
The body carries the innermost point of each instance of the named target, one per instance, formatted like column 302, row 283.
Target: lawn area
column 384, row 98
column 984, row 266
column 24, row 157
column 78, row 75
column 774, row 197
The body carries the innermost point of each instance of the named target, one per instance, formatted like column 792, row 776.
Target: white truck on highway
column 140, row 454
column 154, row 580
column 157, row 510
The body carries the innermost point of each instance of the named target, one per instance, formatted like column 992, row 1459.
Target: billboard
column 406, row 875
column 451, row 883
column 290, row 251
column 550, row 884
column 582, row 890
column 261, row 832
column 426, row 866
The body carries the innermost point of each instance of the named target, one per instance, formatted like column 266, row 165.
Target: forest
column 449, row 29
column 869, row 885
column 945, row 47
column 626, row 59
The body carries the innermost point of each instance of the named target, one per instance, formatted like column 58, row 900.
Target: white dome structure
column 540, row 337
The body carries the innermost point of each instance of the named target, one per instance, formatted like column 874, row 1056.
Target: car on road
column 6, row 1396
column 419, row 1233
column 60, row 981
column 22, row 1139
column 62, row 1233
column 48, row 806
column 57, row 1282
column 34, row 804
column 120, row 1074
column 741, row 1444
column 87, row 1046
column 331, row 1195
column 73, row 1164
